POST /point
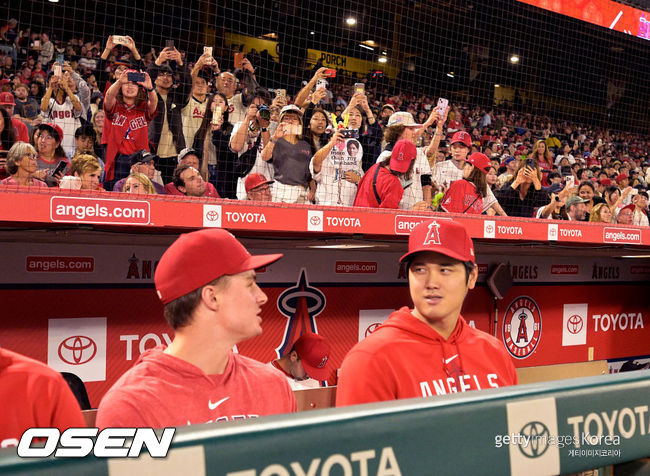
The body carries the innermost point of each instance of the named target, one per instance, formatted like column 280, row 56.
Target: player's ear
column 294, row 356
column 473, row 276
column 209, row 297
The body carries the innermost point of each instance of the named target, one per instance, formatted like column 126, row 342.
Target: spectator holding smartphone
column 370, row 135
column 520, row 196
column 62, row 107
column 194, row 109
column 290, row 156
column 130, row 106
column 166, row 129
column 46, row 139
column 337, row 171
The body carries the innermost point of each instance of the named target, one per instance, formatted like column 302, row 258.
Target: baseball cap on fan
column 402, row 155
column 443, row 236
column 314, row 353
column 479, row 161
column 402, row 119
column 462, row 137
column 198, row 258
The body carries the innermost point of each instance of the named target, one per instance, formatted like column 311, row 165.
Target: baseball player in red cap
column 430, row 349
column 206, row 280
column 307, row 364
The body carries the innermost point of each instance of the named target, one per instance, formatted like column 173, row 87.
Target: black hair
column 468, row 265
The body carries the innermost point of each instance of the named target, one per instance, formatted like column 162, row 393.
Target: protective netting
column 514, row 74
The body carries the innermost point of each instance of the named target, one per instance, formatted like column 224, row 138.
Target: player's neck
column 444, row 326
column 200, row 349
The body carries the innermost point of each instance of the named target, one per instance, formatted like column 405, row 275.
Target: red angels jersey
column 462, row 197
column 406, row 358
column 128, row 132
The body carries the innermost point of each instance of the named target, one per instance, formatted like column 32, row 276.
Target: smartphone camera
column 135, row 77
column 530, row 163
column 350, row 133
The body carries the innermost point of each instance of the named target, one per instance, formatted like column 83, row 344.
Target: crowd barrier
column 551, row 428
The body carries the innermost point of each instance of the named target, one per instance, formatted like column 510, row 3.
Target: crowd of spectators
column 104, row 116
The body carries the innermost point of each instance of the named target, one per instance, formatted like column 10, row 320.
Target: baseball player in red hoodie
column 430, row 349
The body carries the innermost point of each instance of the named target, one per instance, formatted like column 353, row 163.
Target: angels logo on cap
column 432, row 237
column 443, row 236
column 462, row 137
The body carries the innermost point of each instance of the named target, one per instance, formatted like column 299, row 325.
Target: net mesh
column 513, row 73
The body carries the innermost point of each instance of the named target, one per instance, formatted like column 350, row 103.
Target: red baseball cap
column 403, row 154
column 254, row 181
column 605, row 181
column 7, row 99
column 463, row 137
column 197, row 258
column 314, row 353
column 480, row 161
column 620, row 178
column 443, row 236
column 50, row 127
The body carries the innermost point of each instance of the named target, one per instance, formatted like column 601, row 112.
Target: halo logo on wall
column 522, row 327
column 300, row 304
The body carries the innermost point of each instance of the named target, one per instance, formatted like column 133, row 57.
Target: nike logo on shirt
column 212, row 406
column 450, row 359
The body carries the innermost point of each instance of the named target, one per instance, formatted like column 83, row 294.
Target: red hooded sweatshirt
column 406, row 358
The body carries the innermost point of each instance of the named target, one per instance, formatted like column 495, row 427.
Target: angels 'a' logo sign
column 522, row 327
column 433, row 236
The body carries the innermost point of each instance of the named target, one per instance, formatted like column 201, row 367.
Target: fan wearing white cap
column 429, row 349
column 206, row 280
column 401, row 126
column 290, row 155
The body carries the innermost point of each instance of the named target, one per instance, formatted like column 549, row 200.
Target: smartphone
column 56, row 68
column 208, row 50
column 442, row 106
column 218, row 114
column 120, row 40
column 349, row 133
column 634, row 191
column 330, row 73
column 359, row 88
column 169, row 44
column 530, row 163
column 565, row 170
column 60, row 167
column 295, row 129
column 59, row 58
column 37, row 43
column 321, row 83
column 570, row 181
column 239, row 58
column 135, row 77
column 280, row 93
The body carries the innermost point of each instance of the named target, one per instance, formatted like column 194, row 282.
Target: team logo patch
column 522, row 327
column 322, row 363
column 433, row 235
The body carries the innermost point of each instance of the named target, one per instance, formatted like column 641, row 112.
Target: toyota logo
column 315, row 220
column 538, row 439
column 372, row 328
column 212, row 215
column 77, row 350
column 574, row 324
